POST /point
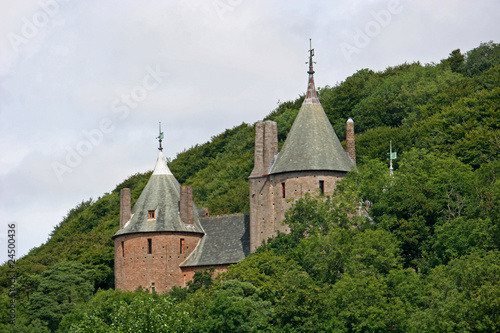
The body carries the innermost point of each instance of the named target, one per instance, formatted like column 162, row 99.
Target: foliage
column 137, row 312
column 234, row 307
column 61, row 287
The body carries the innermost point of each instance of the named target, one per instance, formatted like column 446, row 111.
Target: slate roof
column 311, row 143
column 161, row 194
column 226, row 241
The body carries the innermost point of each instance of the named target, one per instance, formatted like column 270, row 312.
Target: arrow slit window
column 182, row 246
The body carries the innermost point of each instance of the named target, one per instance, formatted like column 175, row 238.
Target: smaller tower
column 158, row 234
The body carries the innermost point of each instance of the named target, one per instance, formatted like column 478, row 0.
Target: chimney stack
column 350, row 145
column 186, row 205
column 125, row 209
column 266, row 145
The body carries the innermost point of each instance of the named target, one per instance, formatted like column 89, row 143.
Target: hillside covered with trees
column 424, row 256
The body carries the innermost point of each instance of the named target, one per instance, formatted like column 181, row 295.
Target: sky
column 83, row 84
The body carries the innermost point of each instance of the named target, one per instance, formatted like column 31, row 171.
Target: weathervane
column 311, row 55
column 160, row 138
column 392, row 156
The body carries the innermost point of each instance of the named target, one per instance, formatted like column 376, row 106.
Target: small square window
column 151, row 214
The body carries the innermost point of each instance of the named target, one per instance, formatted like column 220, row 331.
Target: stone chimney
column 125, row 209
column 186, row 205
column 350, row 145
column 266, row 145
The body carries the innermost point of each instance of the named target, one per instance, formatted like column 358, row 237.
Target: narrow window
column 321, row 187
column 123, row 249
column 182, row 246
column 283, row 191
column 151, row 214
column 152, row 287
column 150, row 246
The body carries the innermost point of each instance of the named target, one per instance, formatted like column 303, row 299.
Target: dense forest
column 423, row 255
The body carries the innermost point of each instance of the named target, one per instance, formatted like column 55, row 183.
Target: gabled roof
column 161, row 194
column 311, row 143
column 226, row 241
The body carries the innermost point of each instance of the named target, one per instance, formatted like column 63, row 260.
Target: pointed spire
column 311, row 97
column 161, row 167
column 311, row 143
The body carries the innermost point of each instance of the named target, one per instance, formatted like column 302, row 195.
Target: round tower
column 312, row 160
column 157, row 235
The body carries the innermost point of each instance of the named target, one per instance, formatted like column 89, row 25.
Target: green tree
column 456, row 61
column 364, row 304
column 463, row 296
column 61, row 288
column 482, row 58
column 145, row 313
column 234, row 307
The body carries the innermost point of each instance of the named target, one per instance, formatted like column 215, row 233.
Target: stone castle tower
column 158, row 235
column 312, row 160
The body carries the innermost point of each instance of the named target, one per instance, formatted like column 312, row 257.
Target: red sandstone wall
column 188, row 272
column 268, row 207
column 297, row 184
column 135, row 267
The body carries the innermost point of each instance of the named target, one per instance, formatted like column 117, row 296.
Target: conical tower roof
column 311, row 143
column 161, row 195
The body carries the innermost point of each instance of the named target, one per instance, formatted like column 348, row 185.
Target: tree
column 61, row 288
column 463, row 296
column 143, row 313
column 234, row 307
column 456, row 61
column 482, row 58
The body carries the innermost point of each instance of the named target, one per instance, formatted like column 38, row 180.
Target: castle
column 165, row 238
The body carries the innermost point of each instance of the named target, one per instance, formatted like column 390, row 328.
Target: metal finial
column 311, row 55
column 160, row 138
column 392, row 156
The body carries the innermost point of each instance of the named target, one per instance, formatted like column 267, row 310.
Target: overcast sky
column 83, row 84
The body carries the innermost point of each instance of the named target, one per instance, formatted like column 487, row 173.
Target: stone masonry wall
column 261, row 211
column 188, row 272
column 135, row 267
column 268, row 207
column 297, row 184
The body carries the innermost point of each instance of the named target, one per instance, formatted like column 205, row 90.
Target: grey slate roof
column 162, row 194
column 311, row 143
column 226, row 241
